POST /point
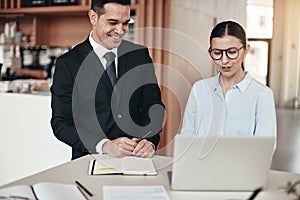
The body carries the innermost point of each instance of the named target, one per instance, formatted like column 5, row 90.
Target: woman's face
column 228, row 66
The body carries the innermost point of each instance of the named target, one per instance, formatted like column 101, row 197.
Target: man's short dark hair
column 97, row 5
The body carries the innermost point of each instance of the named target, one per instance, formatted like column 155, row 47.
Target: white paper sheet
column 156, row 192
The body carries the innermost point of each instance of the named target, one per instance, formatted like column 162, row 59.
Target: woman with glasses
column 231, row 102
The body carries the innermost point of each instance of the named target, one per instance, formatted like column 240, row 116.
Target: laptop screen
column 236, row 163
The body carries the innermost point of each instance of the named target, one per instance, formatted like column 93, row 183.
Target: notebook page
column 137, row 166
column 19, row 190
column 57, row 191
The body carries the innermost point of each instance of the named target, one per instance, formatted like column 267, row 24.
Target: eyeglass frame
column 226, row 50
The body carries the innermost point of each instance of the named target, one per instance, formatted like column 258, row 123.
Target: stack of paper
column 157, row 192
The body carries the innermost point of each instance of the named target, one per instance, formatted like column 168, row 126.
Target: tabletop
column 78, row 170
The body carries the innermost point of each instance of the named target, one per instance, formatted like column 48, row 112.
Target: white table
column 77, row 170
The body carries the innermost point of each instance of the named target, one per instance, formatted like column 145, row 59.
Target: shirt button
column 119, row 116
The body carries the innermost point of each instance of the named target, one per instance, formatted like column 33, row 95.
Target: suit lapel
column 88, row 50
column 122, row 60
column 122, row 69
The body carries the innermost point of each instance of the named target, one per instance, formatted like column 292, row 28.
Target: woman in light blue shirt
column 232, row 102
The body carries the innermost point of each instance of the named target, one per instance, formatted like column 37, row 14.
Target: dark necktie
column 110, row 67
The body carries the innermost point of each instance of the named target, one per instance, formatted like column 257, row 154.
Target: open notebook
column 128, row 165
column 43, row 191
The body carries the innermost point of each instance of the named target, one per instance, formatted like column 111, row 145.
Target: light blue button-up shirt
column 247, row 109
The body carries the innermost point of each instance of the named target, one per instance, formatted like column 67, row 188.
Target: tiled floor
column 287, row 154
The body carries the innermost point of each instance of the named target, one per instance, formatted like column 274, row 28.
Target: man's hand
column 120, row 147
column 143, row 149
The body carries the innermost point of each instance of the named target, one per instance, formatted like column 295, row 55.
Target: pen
column 84, row 188
column 255, row 193
column 139, row 139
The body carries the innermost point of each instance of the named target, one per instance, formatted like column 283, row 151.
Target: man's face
column 110, row 27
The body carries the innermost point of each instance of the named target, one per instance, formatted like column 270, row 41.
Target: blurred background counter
column 27, row 144
column 26, row 86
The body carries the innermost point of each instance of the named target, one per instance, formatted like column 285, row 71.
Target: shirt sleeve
column 266, row 116
column 99, row 146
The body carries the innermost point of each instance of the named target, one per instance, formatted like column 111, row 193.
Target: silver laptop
column 223, row 163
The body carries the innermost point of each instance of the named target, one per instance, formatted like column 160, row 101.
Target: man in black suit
column 95, row 110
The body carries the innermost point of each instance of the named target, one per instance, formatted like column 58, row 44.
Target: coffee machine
column 38, row 57
column 30, row 56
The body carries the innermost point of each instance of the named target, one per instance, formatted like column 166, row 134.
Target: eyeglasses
column 231, row 53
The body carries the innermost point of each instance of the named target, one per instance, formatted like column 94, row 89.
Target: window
column 259, row 32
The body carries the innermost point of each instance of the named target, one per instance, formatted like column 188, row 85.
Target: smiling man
column 111, row 80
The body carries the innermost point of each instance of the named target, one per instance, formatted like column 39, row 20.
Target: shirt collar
column 244, row 83
column 99, row 49
column 216, row 82
column 242, row 86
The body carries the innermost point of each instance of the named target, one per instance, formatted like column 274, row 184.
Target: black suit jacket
column 86, row 108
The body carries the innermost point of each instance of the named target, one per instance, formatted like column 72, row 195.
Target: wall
column 285, row 52
column 27, row 144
